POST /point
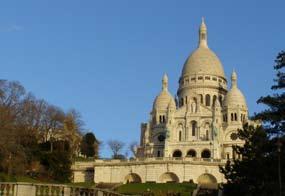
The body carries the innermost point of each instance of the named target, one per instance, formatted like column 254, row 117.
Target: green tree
column 89, row 145
column 57, row 165
column 260, row 171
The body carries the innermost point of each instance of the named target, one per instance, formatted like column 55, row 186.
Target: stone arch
column 207, row 179
column 177, row 153
column 206, row 153
column 168, row 177
column 132, row 178
column 191, row 153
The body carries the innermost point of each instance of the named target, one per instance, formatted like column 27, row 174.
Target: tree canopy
column 260, row 171
column 34, row 133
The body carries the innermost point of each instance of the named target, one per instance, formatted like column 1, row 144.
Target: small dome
column 163, row 101
column 203, row 60
column 235, row 97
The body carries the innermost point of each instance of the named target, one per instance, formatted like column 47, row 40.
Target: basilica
column 189, row 136
column 203, row 120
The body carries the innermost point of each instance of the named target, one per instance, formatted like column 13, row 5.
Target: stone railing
column 151, row 159
column 29, row 189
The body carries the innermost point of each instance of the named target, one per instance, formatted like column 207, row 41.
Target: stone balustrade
column 195, row 160
column 31, row 189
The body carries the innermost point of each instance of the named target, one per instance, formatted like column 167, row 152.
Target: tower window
column 180, row 135
column 214, row 99
column 228, row 155
column 181, row 102
column 194, row 125
column 158, row 153
column 208, row 100
column 235, row 116
column 201, row 98
column 221, row 100
column 232, row 117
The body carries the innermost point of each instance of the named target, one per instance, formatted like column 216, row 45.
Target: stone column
column 26, row 189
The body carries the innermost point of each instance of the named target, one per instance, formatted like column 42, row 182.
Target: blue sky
column 106, row 58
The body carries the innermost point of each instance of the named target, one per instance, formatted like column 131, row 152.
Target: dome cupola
column 235, row 97
column 164, row 99
column 203, row 60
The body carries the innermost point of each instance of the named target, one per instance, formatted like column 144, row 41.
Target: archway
column 168, row 177
column 206, row 153
column 132, row 178
column 206, row 179
column 177, row 153
column 191, row 153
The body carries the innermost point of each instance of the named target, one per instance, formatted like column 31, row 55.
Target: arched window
column 214, row 100
column 228, row 155
column 232, row 117
column 207, row 134
column 208, row 100
column 163, row 119
column 235, row 116
column 180, row 135
column 177, row 153
column 206, row 153
column 201, row 98
column 191, row 153
column 221, row 100
column 194, row 126
column 181, row 102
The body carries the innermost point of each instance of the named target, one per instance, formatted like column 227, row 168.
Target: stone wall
column 152, row 169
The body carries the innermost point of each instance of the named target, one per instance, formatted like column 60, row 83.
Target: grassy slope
column 158, row 189
column 7, row 178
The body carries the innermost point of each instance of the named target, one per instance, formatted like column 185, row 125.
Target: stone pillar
column 67, row 191
column 26, row 189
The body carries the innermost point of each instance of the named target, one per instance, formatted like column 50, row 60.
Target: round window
column 161, row 138
column 234, row 136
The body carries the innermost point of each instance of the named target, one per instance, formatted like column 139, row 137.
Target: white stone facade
column 203, row 119
column 187, row 137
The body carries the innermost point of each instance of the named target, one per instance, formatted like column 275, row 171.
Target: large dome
column 203, row 60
